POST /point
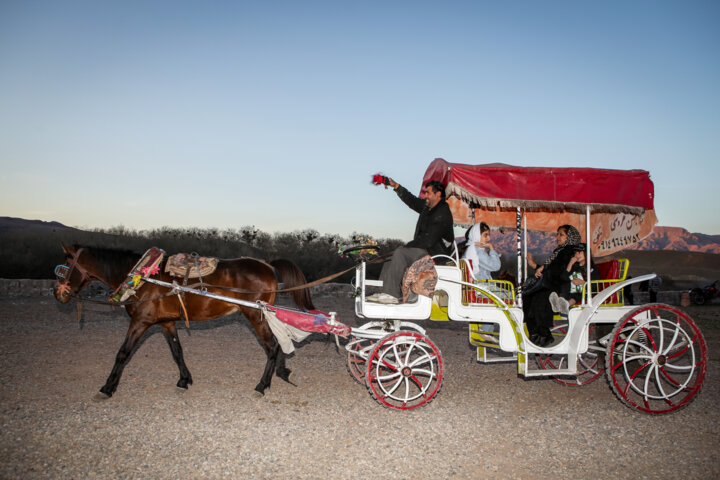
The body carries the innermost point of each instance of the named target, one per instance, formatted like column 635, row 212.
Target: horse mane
column 116, row 262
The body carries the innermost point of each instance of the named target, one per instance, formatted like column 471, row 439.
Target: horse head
column 75, row 274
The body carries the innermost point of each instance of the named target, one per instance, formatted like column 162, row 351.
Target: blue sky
column 276, row 114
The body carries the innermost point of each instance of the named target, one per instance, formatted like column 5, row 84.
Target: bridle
column 64, row 273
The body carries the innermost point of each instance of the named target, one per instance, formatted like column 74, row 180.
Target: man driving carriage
column 433, row 235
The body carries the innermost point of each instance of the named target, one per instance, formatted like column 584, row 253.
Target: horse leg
column 270, row 345
column 264, row 383
column 173, row 341
column 281, row 370
column 135, row 332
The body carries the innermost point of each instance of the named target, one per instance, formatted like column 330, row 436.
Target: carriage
column 653, row 356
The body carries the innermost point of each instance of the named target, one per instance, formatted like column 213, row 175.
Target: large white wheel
column 656, row 359
column 404, row 371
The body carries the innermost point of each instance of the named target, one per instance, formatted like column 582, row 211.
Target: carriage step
column 492, row 354
column 539, row 372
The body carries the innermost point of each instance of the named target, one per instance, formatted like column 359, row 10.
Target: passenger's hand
column 538, row 272
column 393, row 184
column 487, row 245
column 578, row 281
column 531, row 260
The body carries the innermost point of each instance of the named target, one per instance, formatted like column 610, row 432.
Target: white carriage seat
column 419, row 309
column 503, row 289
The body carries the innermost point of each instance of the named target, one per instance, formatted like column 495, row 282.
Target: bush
column 33, row 253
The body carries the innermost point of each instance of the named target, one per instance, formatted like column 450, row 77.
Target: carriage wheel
column 656, row 359
column 697, row 297
column 405, row 371
column 590, row 364
column 355, row 363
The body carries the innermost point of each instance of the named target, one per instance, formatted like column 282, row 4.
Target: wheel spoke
column 421, row 371
column 421, row 360
column 385, row 378
column 664, row 396
column 389, row 365
column 641, row 345
column 393, row 387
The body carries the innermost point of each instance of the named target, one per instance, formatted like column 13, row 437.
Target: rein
column 379, row 259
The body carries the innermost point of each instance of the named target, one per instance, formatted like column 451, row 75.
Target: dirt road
column 485, row 422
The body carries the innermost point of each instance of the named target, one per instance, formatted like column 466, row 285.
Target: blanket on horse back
column 190, row 265
column 184, row 265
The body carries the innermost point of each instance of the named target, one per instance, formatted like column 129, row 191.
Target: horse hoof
column 100, row 397
column 257, row 394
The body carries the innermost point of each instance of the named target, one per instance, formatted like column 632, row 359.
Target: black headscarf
column 573, row 238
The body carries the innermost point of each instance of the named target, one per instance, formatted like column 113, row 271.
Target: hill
column 679, row 239
column 662, row 238
column 14, row 224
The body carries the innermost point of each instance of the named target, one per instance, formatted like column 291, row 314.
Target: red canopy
column 621, row 201
column 497, row 184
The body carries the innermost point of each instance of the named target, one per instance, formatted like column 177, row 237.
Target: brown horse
column 111, row 266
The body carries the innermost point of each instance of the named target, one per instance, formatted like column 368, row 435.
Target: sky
column 277, row 113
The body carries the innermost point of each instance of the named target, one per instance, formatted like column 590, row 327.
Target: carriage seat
column 611, row 272
column 501, row 288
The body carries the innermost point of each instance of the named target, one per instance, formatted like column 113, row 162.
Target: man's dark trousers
column 394, row 270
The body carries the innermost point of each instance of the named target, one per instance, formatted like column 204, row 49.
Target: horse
column 154, row 305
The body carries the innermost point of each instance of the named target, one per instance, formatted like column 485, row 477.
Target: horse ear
column 67, row 249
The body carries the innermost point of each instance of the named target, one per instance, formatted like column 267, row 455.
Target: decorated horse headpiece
column 64, row 273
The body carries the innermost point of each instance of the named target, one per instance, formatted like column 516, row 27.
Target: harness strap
column 127, row 302
column 182, row 304
column 74, row 265
column 380, row 259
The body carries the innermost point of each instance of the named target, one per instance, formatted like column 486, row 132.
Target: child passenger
column 483, row 259
column 572, row 285
column 480, row 253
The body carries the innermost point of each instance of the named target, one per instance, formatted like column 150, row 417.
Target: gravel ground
column 485, row 422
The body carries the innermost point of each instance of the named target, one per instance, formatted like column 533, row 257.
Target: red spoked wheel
column 656, row 360
column 590, row 364
column 355, row 363
column 404, row 371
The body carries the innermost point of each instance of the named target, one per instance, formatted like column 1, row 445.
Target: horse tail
column 292, row 276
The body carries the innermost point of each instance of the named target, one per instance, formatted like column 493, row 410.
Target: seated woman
column 537, row 309
column 571, row 288
column 483, row 259
column 480, row 253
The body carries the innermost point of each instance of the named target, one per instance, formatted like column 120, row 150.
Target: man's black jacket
column 434, row 229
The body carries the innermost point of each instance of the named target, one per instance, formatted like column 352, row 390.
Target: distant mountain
column 662, row 238
column 679, row 239
column 8, row 224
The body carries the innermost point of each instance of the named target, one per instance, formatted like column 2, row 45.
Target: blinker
column 62, row 271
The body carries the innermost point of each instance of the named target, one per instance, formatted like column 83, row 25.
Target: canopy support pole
column 518, row 226
column 525, row 247
column 588, row 259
